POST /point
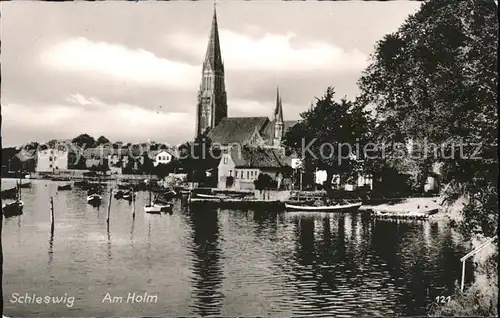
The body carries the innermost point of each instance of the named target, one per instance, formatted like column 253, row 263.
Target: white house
column 363, row 180
column 162, row 157
column 239, row 168
column 52, row 160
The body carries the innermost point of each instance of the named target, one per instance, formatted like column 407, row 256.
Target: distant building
column 52, row 160
column 363, row 180
column 163, row 156
column 239, row 167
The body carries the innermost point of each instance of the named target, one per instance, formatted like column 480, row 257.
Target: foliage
column 102, row 141
column 264, row 182
column 162, row 170
column 480, row 299
column 334, row 130
column 198, row 157
column 435, row 80
column 84, row 141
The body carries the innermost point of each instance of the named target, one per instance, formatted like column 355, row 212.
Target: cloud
column 116, row 121
column 253, row 108
column 97, row 59
column 274, row 53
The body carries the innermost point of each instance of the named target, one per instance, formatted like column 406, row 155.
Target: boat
column 128, row 195
column 124, row 186
column 119, row 194
column 157, row 205
column 94, row 199
column 351, row 207
column 208, row 196
column 10, row 193
column 14, row 208
column 64, row 187
column 25, row 185
column 60, row 179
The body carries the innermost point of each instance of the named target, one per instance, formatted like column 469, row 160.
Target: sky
column 131, row 70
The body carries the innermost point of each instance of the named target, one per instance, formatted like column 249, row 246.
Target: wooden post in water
column 109, row 204
column 133, row 205
column 463, row 276
column 51, row 214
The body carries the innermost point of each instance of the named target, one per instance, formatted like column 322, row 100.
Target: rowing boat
column 328, row 208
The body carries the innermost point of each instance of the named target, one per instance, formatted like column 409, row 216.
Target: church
column 251, row 145
column 212, row 109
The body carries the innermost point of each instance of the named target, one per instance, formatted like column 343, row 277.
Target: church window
column 225, row 160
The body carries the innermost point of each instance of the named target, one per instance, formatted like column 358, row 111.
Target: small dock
column 406, row 209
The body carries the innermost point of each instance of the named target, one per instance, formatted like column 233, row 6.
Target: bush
column 478, row 300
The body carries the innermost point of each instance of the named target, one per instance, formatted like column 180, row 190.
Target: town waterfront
column 219, row 262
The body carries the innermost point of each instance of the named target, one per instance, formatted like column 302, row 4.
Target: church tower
column 278, row 120
column 212, row 99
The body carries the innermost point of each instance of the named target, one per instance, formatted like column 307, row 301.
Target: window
column 230, row 173
column 50, row 166
column 236, row 174
column 248, row 174
column 50, row 158
column 225, row 160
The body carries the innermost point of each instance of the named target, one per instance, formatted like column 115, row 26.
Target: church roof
column 287, row 124
column 258, row 157
column 236, row 129
column 213, row 57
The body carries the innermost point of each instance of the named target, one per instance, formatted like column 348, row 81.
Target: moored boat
column 25, row 185
column 158, row 208
column 94, row 199
column 9, row 193
column 119, row 194
column 64, row 187
column 351, row 207
column 13, row 208
column 128, row 195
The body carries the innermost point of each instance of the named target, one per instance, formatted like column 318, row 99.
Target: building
column 52, row 160
column 163, row 156
column 239, row 167
column 212, row 108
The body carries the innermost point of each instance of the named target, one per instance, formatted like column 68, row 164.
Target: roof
column 236, row 129
column 258, row 157
column 287, row 124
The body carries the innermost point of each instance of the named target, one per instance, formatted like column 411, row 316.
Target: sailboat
column 157, row 206
column 14, row 208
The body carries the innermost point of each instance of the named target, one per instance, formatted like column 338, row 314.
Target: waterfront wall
column 272, row 195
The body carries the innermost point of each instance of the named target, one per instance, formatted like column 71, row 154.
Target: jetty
column 404, row 209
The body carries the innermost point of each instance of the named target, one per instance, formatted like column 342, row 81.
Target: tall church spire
column 213, row 56
column 212, row 99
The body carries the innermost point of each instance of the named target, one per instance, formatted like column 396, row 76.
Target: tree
column 102, row 141
column 197, row 158
column 435, row 80
column 84, row 141
column 328, row 135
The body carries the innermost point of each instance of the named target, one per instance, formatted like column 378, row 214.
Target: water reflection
column 231, row 263
column 206, row 262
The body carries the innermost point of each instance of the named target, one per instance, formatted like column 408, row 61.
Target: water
column 229, row 263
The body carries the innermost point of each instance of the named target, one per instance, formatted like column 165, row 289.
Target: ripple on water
column 223, row 263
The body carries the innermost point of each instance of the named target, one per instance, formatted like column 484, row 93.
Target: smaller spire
column 278, row 111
